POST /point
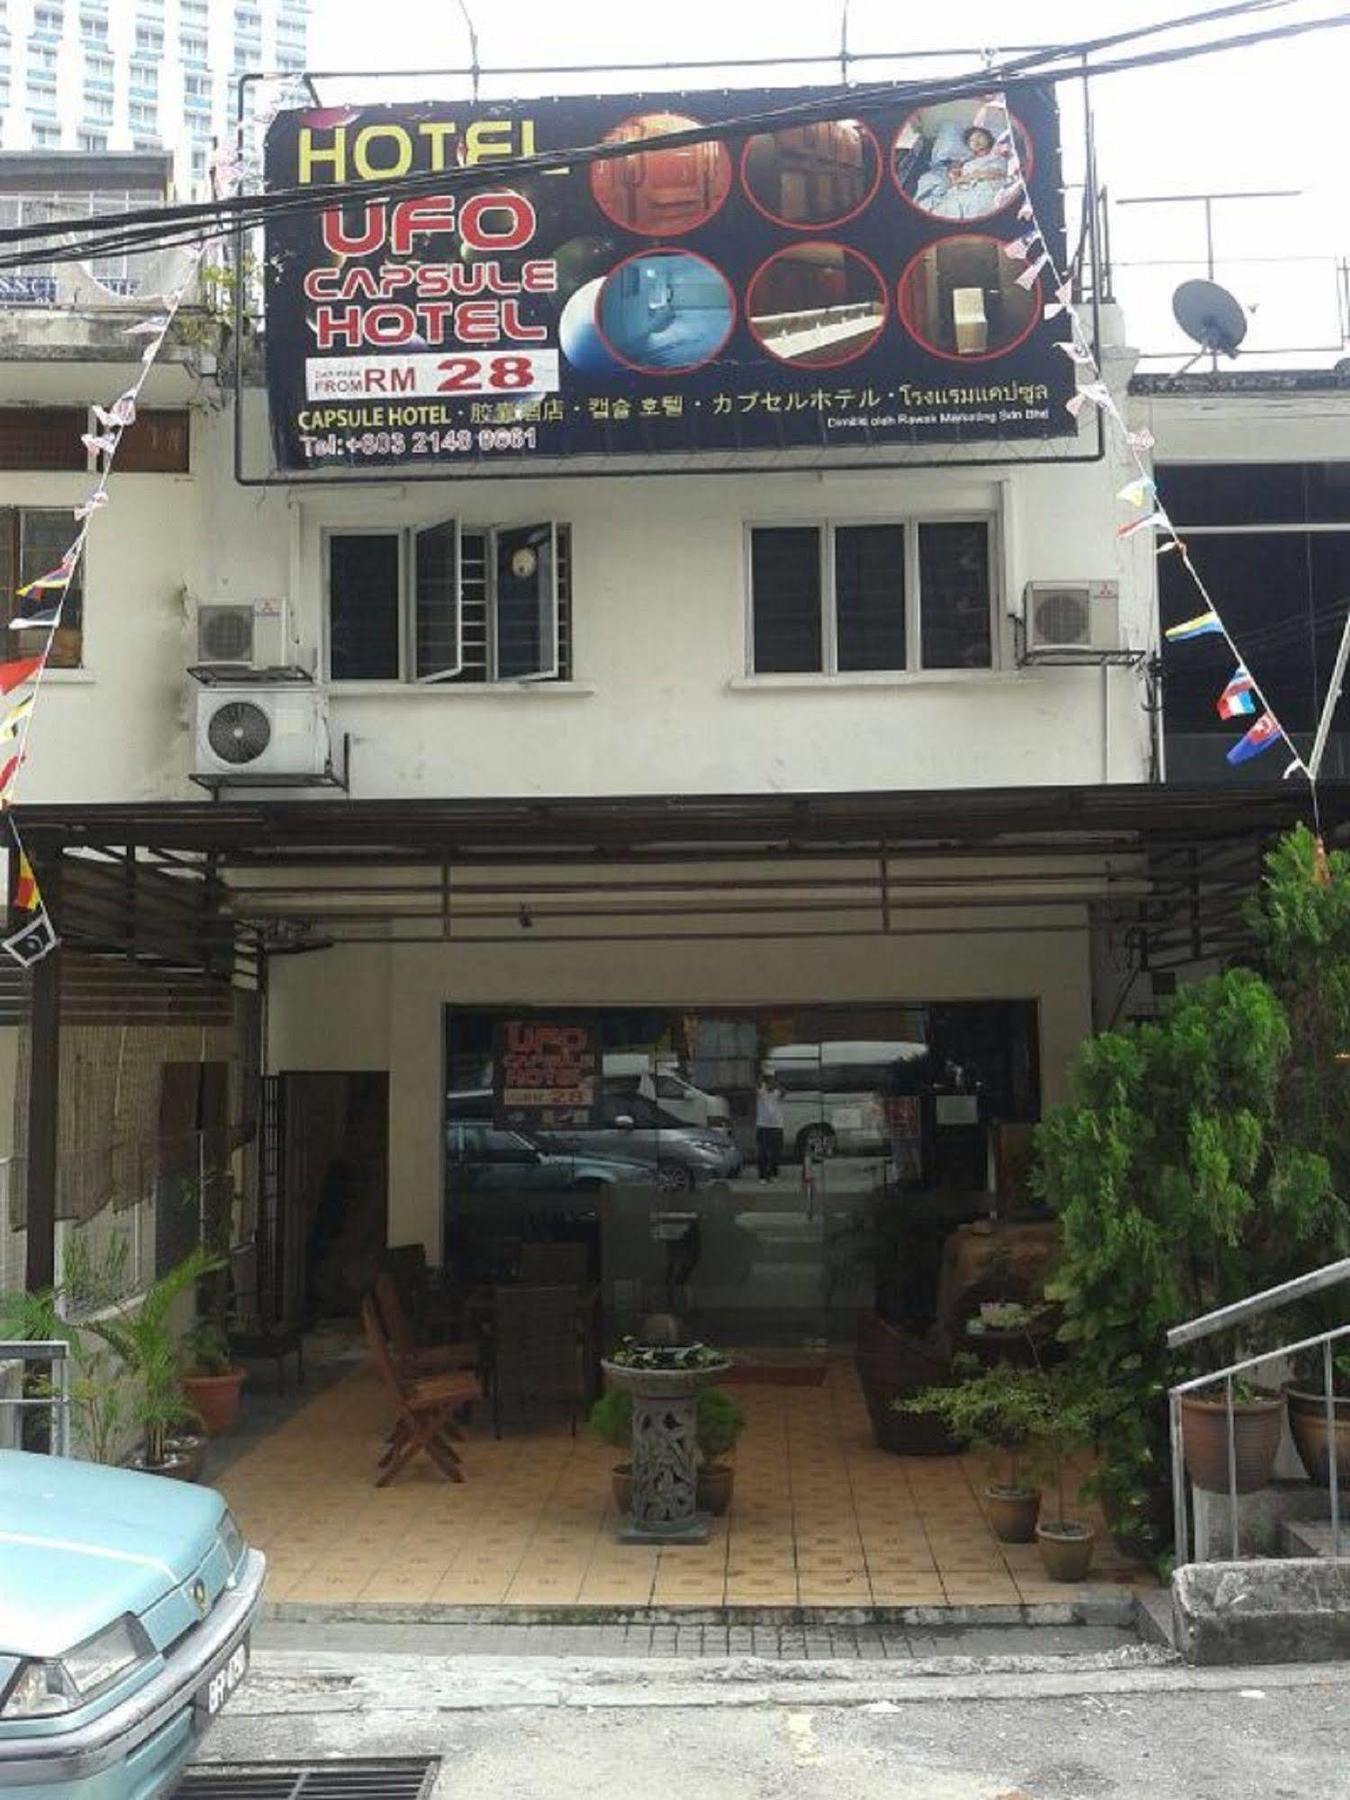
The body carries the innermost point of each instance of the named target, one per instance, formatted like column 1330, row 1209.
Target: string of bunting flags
column 42, row 602
column 1242, row 696
column 44, row 597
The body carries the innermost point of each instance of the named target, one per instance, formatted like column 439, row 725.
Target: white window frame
column 492, row 534
column 909, row 522
column 407, row 536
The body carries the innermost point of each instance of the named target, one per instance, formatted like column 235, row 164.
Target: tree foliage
column 1204, row 1157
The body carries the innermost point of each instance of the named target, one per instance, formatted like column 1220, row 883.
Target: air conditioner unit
column 243, row 634
column 1072, row 615
column 254, row 731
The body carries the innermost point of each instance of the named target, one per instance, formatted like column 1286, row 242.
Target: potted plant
column 718, row 1423
column 209, row 1378
column 1307, row 1401
column 140, row 1333
column 1256, row 1430
column 995, row 1411
column 1064, row 1421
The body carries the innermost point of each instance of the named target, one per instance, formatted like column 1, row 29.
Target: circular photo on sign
column 816, row 306
column 961, row 159
column 812, row 176
column 665, row 310
column 661, row 192
column 966, row 299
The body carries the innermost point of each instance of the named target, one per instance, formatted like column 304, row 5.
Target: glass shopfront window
column 762, row 1173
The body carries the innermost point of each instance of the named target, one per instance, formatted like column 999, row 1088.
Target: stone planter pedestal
column 665, row 1452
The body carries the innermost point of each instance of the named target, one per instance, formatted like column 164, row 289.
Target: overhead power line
column 166, row 227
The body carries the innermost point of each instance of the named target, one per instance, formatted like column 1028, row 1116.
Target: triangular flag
column 1020, row 248
column 27, row 898
column 1137, row 492
column 87, row 508
column 1026, row 210
column 1239, row 697
column 1140, row 440
column 121, row 412
column 1202, row 625
column 1075, row 404
column 1172, row 543
column 58, row 577
column 100, row 443
column 1154, row 519
column 1098, row 393
column 8, row 770
column 1078, row 353
column 37, row 621
column 12, row 723
column 14, row 674
column 1262, row 735
column 1028, row 277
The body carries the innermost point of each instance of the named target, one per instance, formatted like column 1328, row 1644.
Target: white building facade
column 697, row 855
column 138, row 75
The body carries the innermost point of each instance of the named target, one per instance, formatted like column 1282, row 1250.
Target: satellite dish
column 1210, row 316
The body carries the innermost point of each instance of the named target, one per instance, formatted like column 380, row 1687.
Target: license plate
column 213, row 1694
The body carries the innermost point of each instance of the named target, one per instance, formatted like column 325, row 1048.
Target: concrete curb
column 1290, row 1610
column 1106, row 1607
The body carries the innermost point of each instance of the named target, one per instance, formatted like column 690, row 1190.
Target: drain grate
column 401, row 1778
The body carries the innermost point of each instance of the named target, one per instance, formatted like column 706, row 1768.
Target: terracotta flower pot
column 1066, row 1549
column 1308, row 1423
column 715, row 1482
column 621, row 1486
column 214, row 1399
column 1012, row 1512
column 1257, row 1428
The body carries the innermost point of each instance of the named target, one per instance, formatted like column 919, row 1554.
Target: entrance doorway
column 765, row 1173
column 335, row 1163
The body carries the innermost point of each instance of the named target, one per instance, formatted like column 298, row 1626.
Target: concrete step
column 1312, row 1537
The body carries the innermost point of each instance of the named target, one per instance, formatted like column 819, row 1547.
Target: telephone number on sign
column 329, row 444
column 505, row 370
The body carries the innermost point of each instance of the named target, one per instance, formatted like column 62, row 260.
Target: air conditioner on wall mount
column 251, row 732
column 1072, row 616
column 243, row 634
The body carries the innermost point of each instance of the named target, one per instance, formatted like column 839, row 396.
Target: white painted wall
column 660, row 700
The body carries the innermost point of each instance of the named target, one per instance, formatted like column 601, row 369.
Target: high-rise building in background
column 138, row 75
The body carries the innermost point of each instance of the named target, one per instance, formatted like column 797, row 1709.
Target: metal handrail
column 57, row 1354
column 1255, row 1305
column 1223, row 1318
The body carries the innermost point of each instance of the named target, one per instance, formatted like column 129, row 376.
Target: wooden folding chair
column 408, row 1356
column 424, row 1408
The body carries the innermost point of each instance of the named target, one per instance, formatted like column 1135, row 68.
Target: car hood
column 80, row 1545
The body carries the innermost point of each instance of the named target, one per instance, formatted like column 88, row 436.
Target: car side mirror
column 625, row 1121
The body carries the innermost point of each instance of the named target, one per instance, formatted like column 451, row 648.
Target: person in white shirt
column 768, row 1127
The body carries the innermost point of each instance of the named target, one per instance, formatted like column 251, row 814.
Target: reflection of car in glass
column 483, row 1158
column 634, row 1072
column 630, row 1131
column 126, row 1603
column 627, row 1125
column 834, row 1094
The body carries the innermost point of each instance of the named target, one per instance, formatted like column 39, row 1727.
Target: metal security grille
column 407, row 1778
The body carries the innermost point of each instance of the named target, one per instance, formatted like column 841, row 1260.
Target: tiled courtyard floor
column 820, row 1517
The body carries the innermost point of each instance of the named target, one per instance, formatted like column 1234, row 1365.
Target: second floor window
column 33, row 540
column 450, row 604
column 837, row 599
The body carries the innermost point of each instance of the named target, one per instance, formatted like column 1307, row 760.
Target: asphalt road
column 1122, row 1725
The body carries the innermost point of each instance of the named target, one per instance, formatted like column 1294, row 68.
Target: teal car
column 126, row 1603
